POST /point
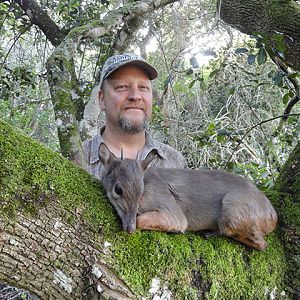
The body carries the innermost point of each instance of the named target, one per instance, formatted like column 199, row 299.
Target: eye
column 118, row 189
column 122, row 87
column 144, row 87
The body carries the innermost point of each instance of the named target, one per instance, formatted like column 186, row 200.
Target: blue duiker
column 179, row 200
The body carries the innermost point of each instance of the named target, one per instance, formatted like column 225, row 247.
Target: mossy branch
column 60, row 239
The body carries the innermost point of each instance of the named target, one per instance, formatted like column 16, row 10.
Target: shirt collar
column 151, row 144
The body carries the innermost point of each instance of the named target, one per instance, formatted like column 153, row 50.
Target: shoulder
column 91, row 147
column 170, row 157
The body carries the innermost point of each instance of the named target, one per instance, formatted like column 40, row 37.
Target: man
column 125, row 96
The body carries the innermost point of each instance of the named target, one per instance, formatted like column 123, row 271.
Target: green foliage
column 76, row 13
column 265, row 43
column 19, row 89
column 216, row 104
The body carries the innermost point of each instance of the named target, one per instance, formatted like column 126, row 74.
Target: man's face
column 126, row 98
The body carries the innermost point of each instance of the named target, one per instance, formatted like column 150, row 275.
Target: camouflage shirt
column 167, row 156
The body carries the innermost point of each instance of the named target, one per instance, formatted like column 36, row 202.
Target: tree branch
column 251, row 128
column 268, row 17
column 13, row 44
column 60, row 239
column 39, row 17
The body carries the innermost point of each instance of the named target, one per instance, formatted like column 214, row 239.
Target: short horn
column 137, row 155
column 122, row 156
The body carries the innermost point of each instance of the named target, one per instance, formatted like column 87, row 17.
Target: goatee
column 133, row 126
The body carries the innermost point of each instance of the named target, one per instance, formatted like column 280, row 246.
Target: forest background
column 228, row 85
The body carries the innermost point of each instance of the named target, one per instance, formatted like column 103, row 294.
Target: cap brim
column 151, row 71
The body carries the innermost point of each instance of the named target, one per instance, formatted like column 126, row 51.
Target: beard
column 133, row 126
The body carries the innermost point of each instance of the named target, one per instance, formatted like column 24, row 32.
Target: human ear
column 101, row 99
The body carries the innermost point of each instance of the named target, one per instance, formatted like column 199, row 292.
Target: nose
column 134, row 94
column 130, row 228
column 129, row 222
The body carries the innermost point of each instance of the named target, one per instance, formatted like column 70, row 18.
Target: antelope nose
column 130, row 228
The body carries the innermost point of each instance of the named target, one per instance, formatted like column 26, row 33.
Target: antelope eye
column 118, row 189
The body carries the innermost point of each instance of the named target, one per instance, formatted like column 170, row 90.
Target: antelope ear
column 105, row 156
column 149, row 158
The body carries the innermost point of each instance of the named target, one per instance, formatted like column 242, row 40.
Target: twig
column 254, row 126
column 295, row 86
column 13, row 44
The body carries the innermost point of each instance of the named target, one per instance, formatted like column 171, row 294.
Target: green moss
column 32, row 175
column 190, row 266
column 289, row 178
column 288, row 209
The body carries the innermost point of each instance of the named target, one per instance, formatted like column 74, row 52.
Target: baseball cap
column 115, row 62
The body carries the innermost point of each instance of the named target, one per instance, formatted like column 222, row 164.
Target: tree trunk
column 288, row 186
column 61, row 239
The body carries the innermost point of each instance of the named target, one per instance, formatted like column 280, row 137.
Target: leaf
column 238, row 170
column 189, row 71
column 285, row 98
column 23, row 296
column 277, row 79
column 230, row 165
column 213, row 73
column 270, row 183
column 251, row 59
column 168, row 80
column 241, row 50
column 194, row 62
column 192, row 83
column 294, row 75
column 231, row 90
column 203, row 86
column 261, row 56
column 211, row 128
column 279, row 43
column 291, row 94
column 221, row 138
column 223, row 132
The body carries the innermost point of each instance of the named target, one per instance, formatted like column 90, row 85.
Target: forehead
column 126, row 170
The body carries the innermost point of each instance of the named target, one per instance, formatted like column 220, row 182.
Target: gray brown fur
column 179, row 200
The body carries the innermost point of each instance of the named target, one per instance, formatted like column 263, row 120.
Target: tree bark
column 49, row 249
column 271, row 17
column 288, row 186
